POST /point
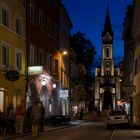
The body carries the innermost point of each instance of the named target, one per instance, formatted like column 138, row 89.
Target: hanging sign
column 12, row 75
column 64, row 93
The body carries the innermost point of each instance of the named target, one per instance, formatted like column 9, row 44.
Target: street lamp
column 62, row 53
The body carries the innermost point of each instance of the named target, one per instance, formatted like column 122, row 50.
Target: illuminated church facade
column 107, row 83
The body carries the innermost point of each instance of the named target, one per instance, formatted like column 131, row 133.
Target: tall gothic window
column 107, row 52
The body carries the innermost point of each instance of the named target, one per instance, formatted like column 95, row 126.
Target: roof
column 107, row 25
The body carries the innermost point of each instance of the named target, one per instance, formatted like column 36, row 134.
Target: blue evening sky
column 88, row 16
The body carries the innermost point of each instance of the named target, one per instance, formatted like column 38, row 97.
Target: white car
column 117, row 117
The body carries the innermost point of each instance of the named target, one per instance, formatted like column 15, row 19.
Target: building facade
column 107, row 84
column 136, row 62
column 127, row 76
column 12, row 52
column 47, row 67
column 65, row 26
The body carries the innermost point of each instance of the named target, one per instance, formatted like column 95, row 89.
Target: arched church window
column 107, row 52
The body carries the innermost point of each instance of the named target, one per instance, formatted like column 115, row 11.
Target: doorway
column 108, row 100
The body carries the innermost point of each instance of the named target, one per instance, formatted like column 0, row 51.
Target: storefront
column 2, row 97
column 64, row 102
column 42, row 85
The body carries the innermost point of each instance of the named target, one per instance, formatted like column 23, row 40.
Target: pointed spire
column 107, row 25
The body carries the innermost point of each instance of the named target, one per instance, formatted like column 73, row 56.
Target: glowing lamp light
column 120, row 80
column 64, row 52
column 43, row 82
column 54, row 85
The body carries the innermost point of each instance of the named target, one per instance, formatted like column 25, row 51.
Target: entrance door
column 107, row 100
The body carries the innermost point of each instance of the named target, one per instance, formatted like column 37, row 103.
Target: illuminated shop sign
column 64, row 93
column 35, row 70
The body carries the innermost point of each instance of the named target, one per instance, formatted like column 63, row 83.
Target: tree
column 84, row 49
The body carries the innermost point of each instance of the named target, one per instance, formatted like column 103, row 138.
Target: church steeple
column 107, row 29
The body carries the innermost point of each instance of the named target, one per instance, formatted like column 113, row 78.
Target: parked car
column 117, row 117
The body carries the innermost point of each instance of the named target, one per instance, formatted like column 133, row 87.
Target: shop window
column 50, row 106
column 1, row 101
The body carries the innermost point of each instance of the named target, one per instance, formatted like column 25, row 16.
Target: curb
column 53, row 129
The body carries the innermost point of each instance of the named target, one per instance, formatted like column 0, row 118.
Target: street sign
column 64, row 93
column 35, row 70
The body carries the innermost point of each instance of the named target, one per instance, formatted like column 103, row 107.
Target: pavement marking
column 113, row 134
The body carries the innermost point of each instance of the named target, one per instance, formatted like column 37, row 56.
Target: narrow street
column 88, row 131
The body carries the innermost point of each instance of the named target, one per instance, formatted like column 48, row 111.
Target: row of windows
column 45, row 59
column 6, row 15
column 38, row 17
column 6, row 56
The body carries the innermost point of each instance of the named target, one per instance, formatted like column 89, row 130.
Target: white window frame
column 32, row 56
column 48, row 25
column 5, row 7
column 41, row 19
column 17, row 59
column 32, row 13
column 20, row 19
column 42, row 53
column 7, row 53
column 49, row 65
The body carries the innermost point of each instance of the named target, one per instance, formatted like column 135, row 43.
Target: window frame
column 7, row 54
column 20, row 19
column 5, row 7
column 18, row 51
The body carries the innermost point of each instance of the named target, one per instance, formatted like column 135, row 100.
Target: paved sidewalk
column 8, row 136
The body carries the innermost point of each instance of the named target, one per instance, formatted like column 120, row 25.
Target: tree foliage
column 84, row 49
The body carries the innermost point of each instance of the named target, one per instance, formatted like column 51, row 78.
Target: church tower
column 107, row 85
column 107, row 66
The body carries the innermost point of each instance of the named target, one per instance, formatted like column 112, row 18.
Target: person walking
column 35, row 116
column 42, row 117
column 20, row 116
column 11, row 117
column 28, row 124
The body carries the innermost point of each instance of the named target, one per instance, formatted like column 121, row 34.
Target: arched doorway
column 107, row 100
